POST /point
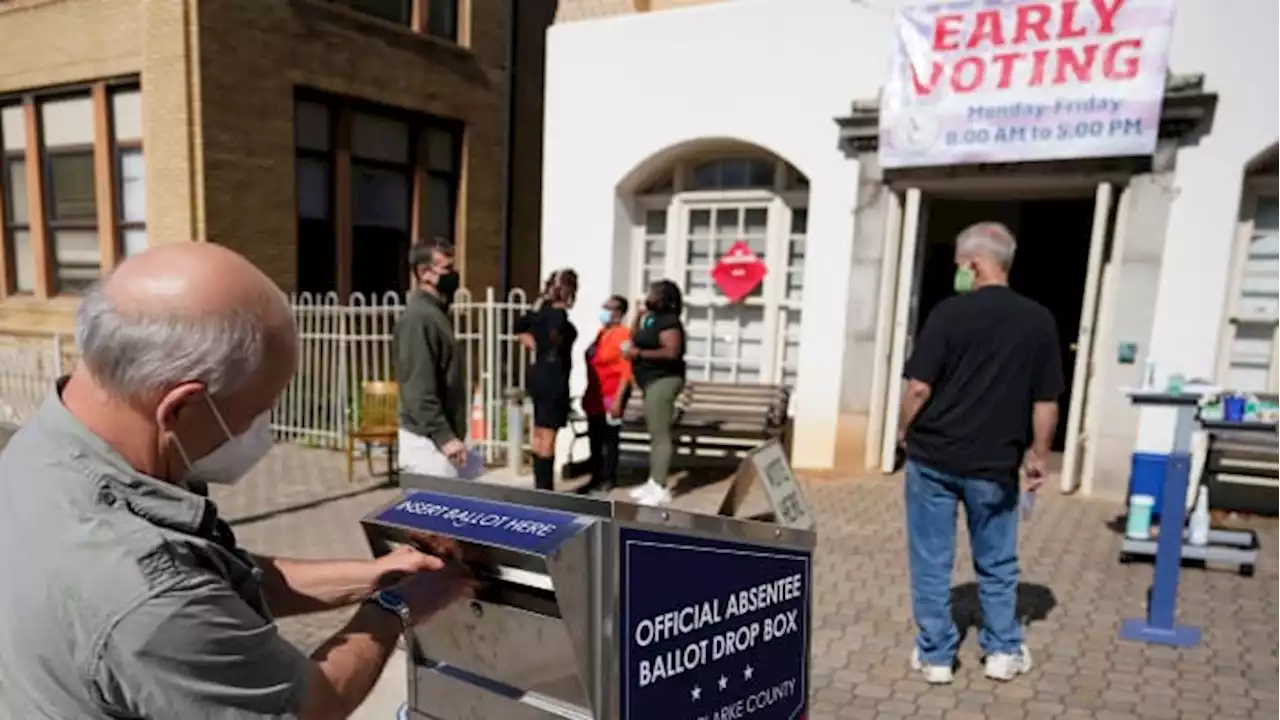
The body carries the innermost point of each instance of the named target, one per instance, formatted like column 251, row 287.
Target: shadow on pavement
column 308, row 505
column 1035, row 602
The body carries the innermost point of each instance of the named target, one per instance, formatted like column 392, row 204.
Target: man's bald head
column 185, row 313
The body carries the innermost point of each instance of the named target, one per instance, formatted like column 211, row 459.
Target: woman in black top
column 657, row 364
column 549, row 335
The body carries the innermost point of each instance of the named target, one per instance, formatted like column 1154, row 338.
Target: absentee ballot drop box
column 603, row 610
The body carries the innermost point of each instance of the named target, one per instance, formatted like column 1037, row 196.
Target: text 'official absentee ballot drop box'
column 606, row 610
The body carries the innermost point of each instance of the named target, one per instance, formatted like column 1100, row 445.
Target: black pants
column 603, row 439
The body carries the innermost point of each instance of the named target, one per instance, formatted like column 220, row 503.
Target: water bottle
column 1028, row 503
column 1149, row 373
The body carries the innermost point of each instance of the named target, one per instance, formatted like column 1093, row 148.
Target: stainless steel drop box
column 603, row 610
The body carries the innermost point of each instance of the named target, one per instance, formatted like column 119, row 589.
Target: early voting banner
column 712, row 630
column 997, row 81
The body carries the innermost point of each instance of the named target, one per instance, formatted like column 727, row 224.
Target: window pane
column 756, row 221
column 442, row 19
column 706, row 176
column 441, row 150
column 760, row 173
column 311, row 129
column 313, row 189
column 16, row 199
column 799, row 221
column 1250, row 353
column 13, row 125
column 440, row 205
column 133, row 186
column 71, row 183
column 67, row 122
column 77, row 259
column 396, row 11
column 700, row 222
column 1268, row 215
column 379, row 198
column 24, row 262
column 379, row 138
column 135, row 241
column 655, row 222
column 126, row 114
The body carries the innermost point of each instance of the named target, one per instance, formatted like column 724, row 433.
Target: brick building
column 314, row 136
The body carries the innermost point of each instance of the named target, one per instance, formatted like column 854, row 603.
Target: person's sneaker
column 1007, row 666
column 933, row 674
column 651, row 488
column 656, row 498
column 640, row 491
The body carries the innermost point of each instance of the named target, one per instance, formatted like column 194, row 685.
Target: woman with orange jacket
column 608, row 385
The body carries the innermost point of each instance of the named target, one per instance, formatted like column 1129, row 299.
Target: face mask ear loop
column 218, row 416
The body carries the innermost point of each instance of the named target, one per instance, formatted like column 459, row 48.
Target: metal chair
column 378, row 424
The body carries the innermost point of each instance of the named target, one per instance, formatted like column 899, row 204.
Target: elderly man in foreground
column 124, row 594
column 981, row 402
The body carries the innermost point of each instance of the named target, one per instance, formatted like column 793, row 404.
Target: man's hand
column 404, row 561
column 630, row 351
column 1034, row 470
column 456, row 451
column 427, row 593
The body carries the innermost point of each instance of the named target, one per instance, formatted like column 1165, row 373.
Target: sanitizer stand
column 1159, row 625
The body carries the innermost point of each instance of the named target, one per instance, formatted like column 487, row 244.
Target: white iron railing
column 341, row 347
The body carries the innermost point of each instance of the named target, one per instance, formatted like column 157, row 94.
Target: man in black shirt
column 981, row 401
column 433, row 396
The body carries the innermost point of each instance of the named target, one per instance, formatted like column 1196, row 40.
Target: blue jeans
column 991, row 512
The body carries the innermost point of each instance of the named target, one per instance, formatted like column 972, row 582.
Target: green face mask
column 963, row 281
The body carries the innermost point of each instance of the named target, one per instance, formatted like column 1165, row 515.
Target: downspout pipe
column 508, row 161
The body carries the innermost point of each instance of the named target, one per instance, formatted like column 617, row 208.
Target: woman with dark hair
column 657, row 364
column 549, row 335
column 608, row 385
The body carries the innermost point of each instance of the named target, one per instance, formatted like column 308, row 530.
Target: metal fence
column 341, row 347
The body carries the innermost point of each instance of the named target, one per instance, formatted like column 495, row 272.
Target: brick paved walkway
column 1073, row 596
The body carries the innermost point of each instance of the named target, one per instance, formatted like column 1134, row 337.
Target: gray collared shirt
column 122, row 596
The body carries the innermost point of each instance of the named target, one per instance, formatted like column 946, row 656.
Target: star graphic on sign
column 696, row 693
column 747, row 672
column 724, row 683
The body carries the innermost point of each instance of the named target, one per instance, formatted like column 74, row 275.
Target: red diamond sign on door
column 738, row 272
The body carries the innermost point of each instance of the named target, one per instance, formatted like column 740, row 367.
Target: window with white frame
column 1249, row 358
column 686, row 219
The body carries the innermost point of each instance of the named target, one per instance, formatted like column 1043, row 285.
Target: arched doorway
column 686, row 214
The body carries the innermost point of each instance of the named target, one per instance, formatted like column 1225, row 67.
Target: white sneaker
column 654, row 495
column 933, row 674
column 657, row 498
column 643, row 490
column 1007, row 666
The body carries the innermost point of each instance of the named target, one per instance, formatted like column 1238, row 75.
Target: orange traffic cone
column 477, row 416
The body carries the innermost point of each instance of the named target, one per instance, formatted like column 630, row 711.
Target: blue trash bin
column 1146, row 477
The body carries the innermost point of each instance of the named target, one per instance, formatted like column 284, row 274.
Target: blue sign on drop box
column 517, row 527
column 712, row 630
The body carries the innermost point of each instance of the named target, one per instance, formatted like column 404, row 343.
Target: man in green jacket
column 433, row 398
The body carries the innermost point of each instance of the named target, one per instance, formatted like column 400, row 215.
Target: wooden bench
column 713, row 421
column 1242, row 469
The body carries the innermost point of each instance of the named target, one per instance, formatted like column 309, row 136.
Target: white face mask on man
column 233, row 459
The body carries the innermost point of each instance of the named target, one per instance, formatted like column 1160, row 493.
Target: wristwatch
column 392, row 602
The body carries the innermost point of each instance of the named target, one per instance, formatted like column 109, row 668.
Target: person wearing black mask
column 429, row 368
column 657, row 365
column 549, row 335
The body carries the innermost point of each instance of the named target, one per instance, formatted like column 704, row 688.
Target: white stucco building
column 671, row 134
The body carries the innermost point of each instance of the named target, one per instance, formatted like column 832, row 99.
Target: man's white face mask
column 232, row 460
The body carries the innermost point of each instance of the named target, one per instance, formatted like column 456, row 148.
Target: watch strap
column 392, row 603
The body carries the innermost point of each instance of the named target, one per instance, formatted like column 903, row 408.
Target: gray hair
column 135, row 354
column 991, row 239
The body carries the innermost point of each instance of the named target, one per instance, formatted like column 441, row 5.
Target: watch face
column 392, row 599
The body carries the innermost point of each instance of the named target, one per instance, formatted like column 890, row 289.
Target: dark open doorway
column 1050, row 265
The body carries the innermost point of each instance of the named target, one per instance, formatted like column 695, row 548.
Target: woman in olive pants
column 657, row 366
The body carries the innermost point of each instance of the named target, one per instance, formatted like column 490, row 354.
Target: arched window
column 686, row 217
